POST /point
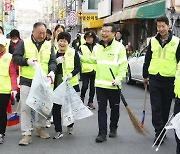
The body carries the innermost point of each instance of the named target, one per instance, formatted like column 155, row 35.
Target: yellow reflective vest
column 112, row 56
column 163, row 59
column 177, row 82
column 86, row 67
column 68, row 65
column 5, row 80
column 42, row 56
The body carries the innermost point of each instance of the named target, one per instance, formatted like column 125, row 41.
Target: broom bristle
column 136, row 123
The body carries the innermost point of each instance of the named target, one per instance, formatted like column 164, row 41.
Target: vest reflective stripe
column 86, row 67
column 31, row 52
column 68, row 65
column 5, row 80
column 163, row 59
column 114, row 57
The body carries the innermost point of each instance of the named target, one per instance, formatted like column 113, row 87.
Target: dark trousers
column 161, row 94
column 177, row 110
column 56, row 112
column 3, row 115
column 103, row 95
column 88, row 78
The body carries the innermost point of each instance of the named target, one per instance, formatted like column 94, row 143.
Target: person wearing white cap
column 8, row 84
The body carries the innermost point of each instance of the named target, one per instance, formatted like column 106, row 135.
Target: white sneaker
column 58, row 135
column 48, row 123
column 42, row 133
column 26, row 140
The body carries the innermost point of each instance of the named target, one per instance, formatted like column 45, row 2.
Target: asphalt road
column 83, row 140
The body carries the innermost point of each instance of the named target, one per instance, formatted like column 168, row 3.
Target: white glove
column 13, row 94
column 51, row 75
column 69, row 76
column 31, row 62
column 116, row 82
column 80, row 54
column 60, row 59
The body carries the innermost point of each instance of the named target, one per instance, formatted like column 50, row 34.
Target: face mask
column 15, row 41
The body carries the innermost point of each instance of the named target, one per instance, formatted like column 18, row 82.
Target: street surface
column 83, row 140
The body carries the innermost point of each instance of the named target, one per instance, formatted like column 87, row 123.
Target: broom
column 13, row 120
column 144, row 110
column 136, row 123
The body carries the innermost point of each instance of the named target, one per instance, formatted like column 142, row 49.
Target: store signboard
column 128, row 3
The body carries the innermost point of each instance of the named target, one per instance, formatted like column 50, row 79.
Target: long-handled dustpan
column 14, row 119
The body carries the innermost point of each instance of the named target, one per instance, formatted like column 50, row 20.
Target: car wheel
column 128, row 77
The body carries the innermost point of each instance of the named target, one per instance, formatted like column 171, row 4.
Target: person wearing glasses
column 108, row 54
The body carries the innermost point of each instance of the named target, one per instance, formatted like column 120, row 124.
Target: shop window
column 93, row 4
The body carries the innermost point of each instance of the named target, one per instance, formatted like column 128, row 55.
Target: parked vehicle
column 135, row 67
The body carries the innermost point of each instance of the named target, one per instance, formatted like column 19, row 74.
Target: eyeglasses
column 105, row 31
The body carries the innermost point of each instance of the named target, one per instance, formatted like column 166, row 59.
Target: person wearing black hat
column 88, row 70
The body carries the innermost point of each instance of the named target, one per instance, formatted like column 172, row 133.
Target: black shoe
column 113, row 133
column 100, row 138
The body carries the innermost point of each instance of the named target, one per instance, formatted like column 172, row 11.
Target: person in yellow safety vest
column 68, row 66
column 163, row 54
column 88, row 70
column 58, row 29
column 108, row 54
column 177, row 103
column 28, row 52
column 119, row 36
column 8, row 84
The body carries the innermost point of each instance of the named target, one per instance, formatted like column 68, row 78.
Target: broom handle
column 145, row 94
column 17, row 108
column 122, row 96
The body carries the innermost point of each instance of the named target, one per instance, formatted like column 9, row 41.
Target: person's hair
column 118, row 30
column 111, row 25
column 14, row 33
column 59, row 26
column 2, row 29
column 86, row 30
column 48, row 31
column 163, row 19
column 64, row 35
column 90, row 33
column 37, row 24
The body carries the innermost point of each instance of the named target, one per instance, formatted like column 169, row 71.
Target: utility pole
column 80, row 16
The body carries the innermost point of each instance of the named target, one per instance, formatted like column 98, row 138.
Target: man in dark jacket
column 159, row 70
column 33, row 49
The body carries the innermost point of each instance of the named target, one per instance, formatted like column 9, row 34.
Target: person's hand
column 51, row 75
column 60, row 59
column 146, row 82
column 31, row 62
column 116, row 82
column 80, row 54
column 69, row 76
column 13, row 94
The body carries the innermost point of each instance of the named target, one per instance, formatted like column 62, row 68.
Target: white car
column 135, row 67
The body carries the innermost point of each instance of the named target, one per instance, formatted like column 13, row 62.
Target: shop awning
column 148, row 11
